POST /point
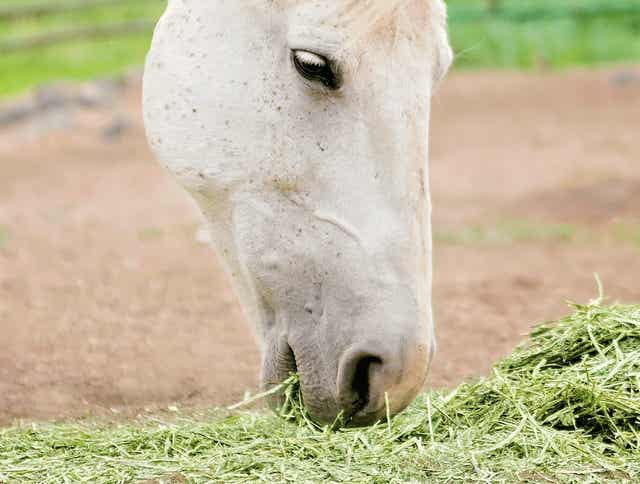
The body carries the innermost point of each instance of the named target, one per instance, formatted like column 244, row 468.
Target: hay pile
column 564, row 407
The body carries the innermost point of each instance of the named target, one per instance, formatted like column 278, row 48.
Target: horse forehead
column 380, row 9
column 369, row 20
column 362, row 20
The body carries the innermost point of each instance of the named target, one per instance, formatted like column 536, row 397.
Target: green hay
column 564, row 407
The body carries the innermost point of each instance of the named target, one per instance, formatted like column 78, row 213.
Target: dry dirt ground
column 109, row 304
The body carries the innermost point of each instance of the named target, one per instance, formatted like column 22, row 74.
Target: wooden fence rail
column 79, row 33
column 534, row 14
column 53, row 8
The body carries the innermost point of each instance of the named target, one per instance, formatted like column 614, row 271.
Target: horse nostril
column 355, row 372
column 361, row 381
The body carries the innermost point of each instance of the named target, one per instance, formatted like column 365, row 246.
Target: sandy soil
column 106, row 304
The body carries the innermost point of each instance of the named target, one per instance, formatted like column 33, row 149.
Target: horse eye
column 315, row 67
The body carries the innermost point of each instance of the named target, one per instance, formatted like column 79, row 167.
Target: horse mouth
column 283, row 365
column 357, row 411
column 288, row 363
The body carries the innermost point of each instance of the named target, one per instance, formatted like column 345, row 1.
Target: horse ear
column 443, row 54
column 174, row 4
column 432, row 15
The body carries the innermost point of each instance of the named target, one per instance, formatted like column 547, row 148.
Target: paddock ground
column 109, row 305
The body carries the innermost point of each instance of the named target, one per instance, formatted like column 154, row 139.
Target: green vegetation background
column 557, row 40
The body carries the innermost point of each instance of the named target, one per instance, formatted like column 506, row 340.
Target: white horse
column 300, row 129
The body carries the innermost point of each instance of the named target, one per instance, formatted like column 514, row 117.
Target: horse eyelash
column 300, row 58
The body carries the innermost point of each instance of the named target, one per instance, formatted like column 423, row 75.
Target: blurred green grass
column 558, row 40
column 493, row 42
column 5, row 235
column 524, row 231
column 73, row 60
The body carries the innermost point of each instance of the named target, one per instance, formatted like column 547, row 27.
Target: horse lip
column 283, row 364
column 286, row 363
column 366, row 417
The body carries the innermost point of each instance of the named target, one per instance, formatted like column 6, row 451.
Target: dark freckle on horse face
column 201, row 175
column 194, row 110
